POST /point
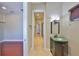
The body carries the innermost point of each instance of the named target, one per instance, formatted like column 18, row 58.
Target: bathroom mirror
column 51, row 27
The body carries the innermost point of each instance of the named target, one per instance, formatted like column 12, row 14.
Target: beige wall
column 70, row 30
column 52, row 8
column 30, row 25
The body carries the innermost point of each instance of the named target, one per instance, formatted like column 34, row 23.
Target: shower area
column 2, row 23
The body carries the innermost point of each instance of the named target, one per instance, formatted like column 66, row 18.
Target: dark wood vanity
column 58, row 48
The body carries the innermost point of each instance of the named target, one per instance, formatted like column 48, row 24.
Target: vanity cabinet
column 58, row 48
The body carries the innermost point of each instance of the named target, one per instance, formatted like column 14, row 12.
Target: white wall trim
column 25, row 29
column 32, row 29
column 11, row 41
column 38, row 10
column 44, row 30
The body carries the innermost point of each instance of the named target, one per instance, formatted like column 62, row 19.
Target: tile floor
column 38, row 48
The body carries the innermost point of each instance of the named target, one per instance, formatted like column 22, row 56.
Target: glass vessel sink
column 60, row 39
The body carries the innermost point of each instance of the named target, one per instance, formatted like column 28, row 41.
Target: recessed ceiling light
column 3, row 7
column 38, row 15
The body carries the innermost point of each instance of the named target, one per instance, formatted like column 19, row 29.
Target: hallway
column 38, row 48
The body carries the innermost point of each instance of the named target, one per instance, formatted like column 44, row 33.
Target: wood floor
column 38, row 48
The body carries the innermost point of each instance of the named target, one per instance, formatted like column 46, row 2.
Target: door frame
column 44, row 29
column 25, row 29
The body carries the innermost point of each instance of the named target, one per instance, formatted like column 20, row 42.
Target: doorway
column 38, row 30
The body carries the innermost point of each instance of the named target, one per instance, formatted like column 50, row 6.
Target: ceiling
column 12, row 7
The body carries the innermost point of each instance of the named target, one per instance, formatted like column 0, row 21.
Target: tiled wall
column 11, row 49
